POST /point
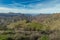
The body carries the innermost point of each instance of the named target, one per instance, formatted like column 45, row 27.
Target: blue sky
column 30, row 6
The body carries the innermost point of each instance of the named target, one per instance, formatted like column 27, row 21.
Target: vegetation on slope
column 41, row 27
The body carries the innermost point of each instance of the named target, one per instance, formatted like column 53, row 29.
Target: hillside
column 52, row 21
column 41, row 17
column 49, row 19
column 17, row 26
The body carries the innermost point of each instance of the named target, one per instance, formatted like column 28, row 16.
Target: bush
column 34, row 26
column 44, row 37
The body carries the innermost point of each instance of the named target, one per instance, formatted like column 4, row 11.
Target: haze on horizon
column 30, row 6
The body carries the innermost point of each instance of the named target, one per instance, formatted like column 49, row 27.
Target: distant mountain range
column 37, row 17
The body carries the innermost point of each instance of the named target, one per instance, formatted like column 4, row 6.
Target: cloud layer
column 30, row 6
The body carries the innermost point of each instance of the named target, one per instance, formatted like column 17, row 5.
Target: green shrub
column 34, row 26
column 44, row 37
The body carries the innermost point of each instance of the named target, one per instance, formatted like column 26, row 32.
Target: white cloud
column 45, row 10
